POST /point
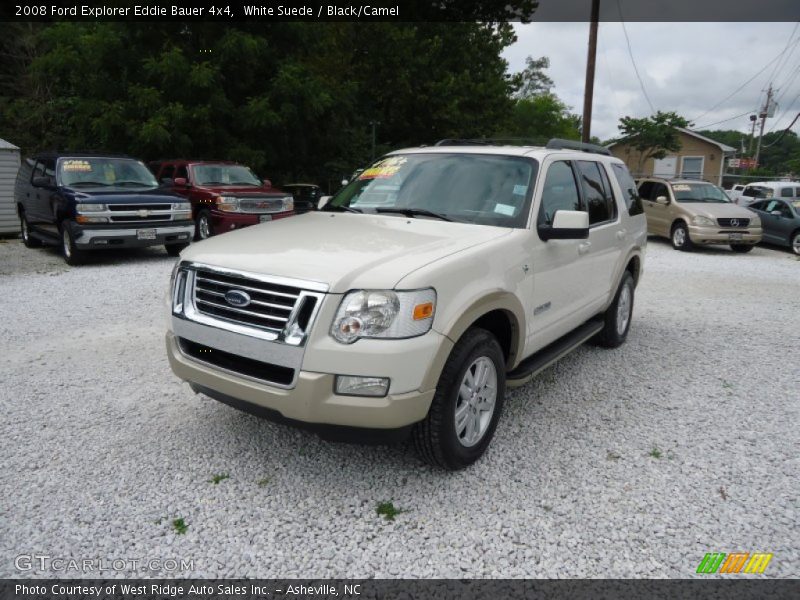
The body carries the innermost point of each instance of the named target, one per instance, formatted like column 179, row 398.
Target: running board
column 536, row 363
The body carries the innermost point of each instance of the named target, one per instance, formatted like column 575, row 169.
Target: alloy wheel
column 476, row 401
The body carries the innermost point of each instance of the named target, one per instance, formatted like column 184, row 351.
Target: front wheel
column 203, row 225
column 73, row 256
column 741, row 248
column 796, row 242
column 680, row 237
column 467, row 405
column 617, row 319
column 175, row 249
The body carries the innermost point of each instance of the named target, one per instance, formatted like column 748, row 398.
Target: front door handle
column 584, row 247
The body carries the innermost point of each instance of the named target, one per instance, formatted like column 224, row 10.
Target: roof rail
column 561, row 144
column 458, row 142
column 497, row 141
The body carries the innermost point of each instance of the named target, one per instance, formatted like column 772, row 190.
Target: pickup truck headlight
column 702, row 221
column 288, row 203
column 90, row 208
column 383, row 314
column 228, row 203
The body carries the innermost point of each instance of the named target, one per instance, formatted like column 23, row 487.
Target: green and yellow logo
column 738, row 562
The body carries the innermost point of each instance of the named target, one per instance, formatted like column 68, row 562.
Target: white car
column 416, row 295
column 745, row 195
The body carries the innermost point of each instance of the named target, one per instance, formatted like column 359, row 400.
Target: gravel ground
column 632, row 462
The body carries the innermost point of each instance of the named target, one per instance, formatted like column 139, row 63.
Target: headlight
column 181, row 207
column 87, row 208
column 288, row 203
column 383, row 314
column 755, row 221
column 228, row 203
column 702, row 221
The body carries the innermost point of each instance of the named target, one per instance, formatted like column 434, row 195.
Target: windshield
column 699, row 192
column 473, row 188
column 223, row 174
column 104, row 172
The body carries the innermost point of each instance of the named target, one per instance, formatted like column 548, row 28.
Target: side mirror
column 323, row 201
column 662, row 200
column 345, row 182
column 166, row 181
column 567, row 225
column 42, row 181
column 180, row 182
column 266, row 183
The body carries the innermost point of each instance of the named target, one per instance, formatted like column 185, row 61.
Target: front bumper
column 311, row 400
column 99, row 237
column 717, row 235
column 227, row 221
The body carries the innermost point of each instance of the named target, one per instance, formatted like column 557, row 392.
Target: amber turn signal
column 423, row 311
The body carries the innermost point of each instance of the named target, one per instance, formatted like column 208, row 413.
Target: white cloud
column 685, row 67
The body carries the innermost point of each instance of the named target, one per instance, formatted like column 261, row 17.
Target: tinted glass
column 560, row 192
column 787, row 192
column 596, row 192
column 659, row 189
column 471, row 188
column 628, row 187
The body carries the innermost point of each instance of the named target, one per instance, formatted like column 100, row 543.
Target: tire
column 441, row 440
column 618, row 316
column 73, row 256
column 680, row 237
column 175, row 249
column 741, row 248
column 795, row 240
column 29, row 241
column 202, row 225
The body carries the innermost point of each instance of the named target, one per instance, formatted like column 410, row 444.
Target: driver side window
column 560, row 192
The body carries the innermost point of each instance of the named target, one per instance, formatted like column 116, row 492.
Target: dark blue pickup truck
column 85, row 202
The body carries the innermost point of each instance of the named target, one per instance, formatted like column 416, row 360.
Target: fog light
column 350, row 385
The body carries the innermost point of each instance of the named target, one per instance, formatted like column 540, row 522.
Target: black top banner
column 402, row 10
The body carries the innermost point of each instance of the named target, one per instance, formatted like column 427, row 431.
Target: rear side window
column 166, row 173
column 787, row 192
column 628, row 186
column 596, row 192
column 559, row 192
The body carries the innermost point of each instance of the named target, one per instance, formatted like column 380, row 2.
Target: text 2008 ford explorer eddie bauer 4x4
column 423, row 288
column 92, row 202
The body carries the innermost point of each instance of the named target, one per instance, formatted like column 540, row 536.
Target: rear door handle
column 584, row 247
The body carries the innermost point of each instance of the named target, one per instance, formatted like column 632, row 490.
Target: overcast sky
column 685, row 67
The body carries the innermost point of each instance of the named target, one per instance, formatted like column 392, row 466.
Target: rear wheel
column 73, row 256
column 741, row 248
column 467, row 405
column 30, row 242
column 617, row 319
column 796, row 242
column 175, row 249
column 680, row 237
column 203, row 225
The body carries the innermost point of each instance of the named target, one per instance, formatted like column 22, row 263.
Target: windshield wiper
column 89, row 183
column 243, row 183
column 341, row 208
column 139, row 183
column 415, row 212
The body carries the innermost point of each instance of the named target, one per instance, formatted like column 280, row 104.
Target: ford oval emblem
column 237, row 298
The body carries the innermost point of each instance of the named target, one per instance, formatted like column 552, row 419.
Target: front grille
column 261, row 204
column 238, row 364
column 138, row 219
column 136, row 207
column 270, row 304
column 733, row 222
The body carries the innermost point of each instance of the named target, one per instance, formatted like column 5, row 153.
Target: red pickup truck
column 224, row 195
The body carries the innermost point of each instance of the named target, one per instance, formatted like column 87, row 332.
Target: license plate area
column 145, row 234
column 264, row 218
column 735, row 236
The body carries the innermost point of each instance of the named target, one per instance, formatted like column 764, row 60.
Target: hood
column 243, row 190
column 344, row 250
column 155, row 196
column 717, row 211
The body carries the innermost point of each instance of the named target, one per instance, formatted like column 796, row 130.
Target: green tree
column 533, row 81
column 653, row 136
column 540, row 118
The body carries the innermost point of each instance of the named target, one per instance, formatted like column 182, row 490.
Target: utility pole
column 753, row 119
column 588, row 90
column 763, row 116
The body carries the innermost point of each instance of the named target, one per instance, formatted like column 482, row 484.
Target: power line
column 741, row 87
column 785, row 131
column 698, row 127
column 780, row 63
column 633, row 62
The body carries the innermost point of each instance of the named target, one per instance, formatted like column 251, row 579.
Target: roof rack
column 459, row 142
column 561, row 144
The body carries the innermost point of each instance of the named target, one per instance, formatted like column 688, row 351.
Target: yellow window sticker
column 74, row 165
column 384, row 169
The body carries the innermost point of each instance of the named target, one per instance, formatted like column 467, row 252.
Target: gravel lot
column 626, row 463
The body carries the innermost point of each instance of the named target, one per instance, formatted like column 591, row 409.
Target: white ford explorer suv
column 415, row 295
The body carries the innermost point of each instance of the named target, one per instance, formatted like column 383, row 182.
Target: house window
column 692, row 167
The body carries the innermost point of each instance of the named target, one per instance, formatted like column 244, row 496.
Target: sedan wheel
column 796, row 243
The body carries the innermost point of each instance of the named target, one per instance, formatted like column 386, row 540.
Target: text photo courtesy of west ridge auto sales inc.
column 414, row 299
